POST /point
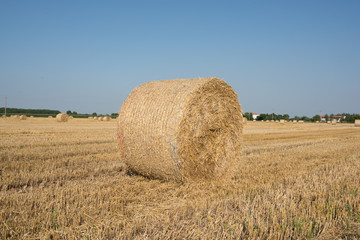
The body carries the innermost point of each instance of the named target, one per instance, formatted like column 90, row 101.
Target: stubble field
column 66, row 181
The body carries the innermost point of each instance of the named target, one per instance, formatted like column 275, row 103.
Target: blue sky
column 295, row 57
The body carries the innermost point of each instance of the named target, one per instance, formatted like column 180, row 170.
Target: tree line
column 346, row 117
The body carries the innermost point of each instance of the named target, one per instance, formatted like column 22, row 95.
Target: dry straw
column 50, row 117
column 357, row 123
column 245, row 120
column 71, row 117
column 301, row 121
column 181, row 129
column 282, row 120
column 95, row 118
column 106, row 118
column 62, row 117
column 100, row 118
column 3, row 116
column 333, row 122
column 22, row 117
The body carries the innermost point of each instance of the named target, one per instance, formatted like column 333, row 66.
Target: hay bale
column 22, row 117
column 50, row 117
column 282, row 121
column 245, row 120
column 62, row 117
column 31, row 117
column 3, row 116
column 301, row 121
column 95, row 118
column 333, row 122
column 181, row 129
column 106, row 118
column 357, row 123
column 295, row 121
column 71, row 117
column 100, row 118
column 329, row 122
column 90, row 118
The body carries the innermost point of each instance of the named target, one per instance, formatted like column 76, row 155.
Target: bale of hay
column 333, row 122
column 282, row 121
column 267, row 121
column 317, row 121
column 106, row 118
column 301, row 121
column 3, row 116
column 95, row 118
column 62, row 117
column 31, row 117
column 22, row 117
column 181, row 129
column 50, row 117
column 294, row 121
column 100, row 118
column 245, row 120
column 329, row 122
column 357, row 122
column 71, row 117
column 90, row 117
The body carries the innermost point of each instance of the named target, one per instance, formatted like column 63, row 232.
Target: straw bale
column 95, row 118
column 106, row 118
column 357, row 123
column 329, row 122
column 267, row 121
column 317, row 121
column 301, row 121
column 90, row 117
column 272, row 120
column 22, row 117
column 62, row 117
column 50, row 117
column 100, row 118
column 71, row 117
column 282, row 120
column 277, row 121
column 3, row 116
column 245, row 120
column 333, row 122
column 181, row 129
column 294, row 121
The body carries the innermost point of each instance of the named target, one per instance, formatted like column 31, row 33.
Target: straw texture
column 357, row 123
column 62, row 117
column 181, row 129
column 22, row 117
column 106, row 118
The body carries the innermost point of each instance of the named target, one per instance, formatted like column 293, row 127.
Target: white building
column 255, row 115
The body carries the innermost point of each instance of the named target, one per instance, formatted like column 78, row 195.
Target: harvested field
column 66, row 181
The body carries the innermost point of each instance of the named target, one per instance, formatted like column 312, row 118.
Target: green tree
column 316, row 118
column 68, row 112
column 94, row 114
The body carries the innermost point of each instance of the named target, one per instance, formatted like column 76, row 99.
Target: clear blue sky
column 295, row 57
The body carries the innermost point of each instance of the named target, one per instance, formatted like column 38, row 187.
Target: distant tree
column 326, row 117
column 316, row 118
column 75, row 113
column 94, row 114
column 68, row 112
column 248, row 116
column 286, row 116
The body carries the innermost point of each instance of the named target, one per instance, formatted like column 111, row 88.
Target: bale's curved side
column 62, row 117
column 22, row 117
column 177, row 129
column 357, row 123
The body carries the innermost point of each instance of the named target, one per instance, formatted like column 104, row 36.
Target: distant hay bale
column 106, row 118
column 50, row 117
column 357, row 123
column 3, row 116
column 100, row 118
column 317, row 121
column 90, row 117
column 282, row 120
column 254, row 120
column 329, row 122
column 181, row 129
column 31, row 117
column 62, row 117
column 333, row 122
column 301, row 121
column 267, row 121
column 272, row 120
column 277, row 121
column 71, row 117
column 95, row 118
column 22, row 117
column 294, row 121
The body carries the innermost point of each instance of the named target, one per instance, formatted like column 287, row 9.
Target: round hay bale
column 295, row 121
column 245, row 120
column 301, row 121
column 62, row 117
column 106, row 118
column 3, row 116
column 50, row 117
column 333, row 122
column 22, row 117
column 71, row 117
column 100, row 118
column 329, row 122
column 95, row 118
column 357, row 122
column 181, row 129
column 90, row 117
column 282, row 121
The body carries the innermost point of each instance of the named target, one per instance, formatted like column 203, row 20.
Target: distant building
column 255, row 115
column 336, row 118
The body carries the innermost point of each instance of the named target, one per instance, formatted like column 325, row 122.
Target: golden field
column 66, row 181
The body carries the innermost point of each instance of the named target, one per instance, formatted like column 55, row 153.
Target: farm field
column 66, row 181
